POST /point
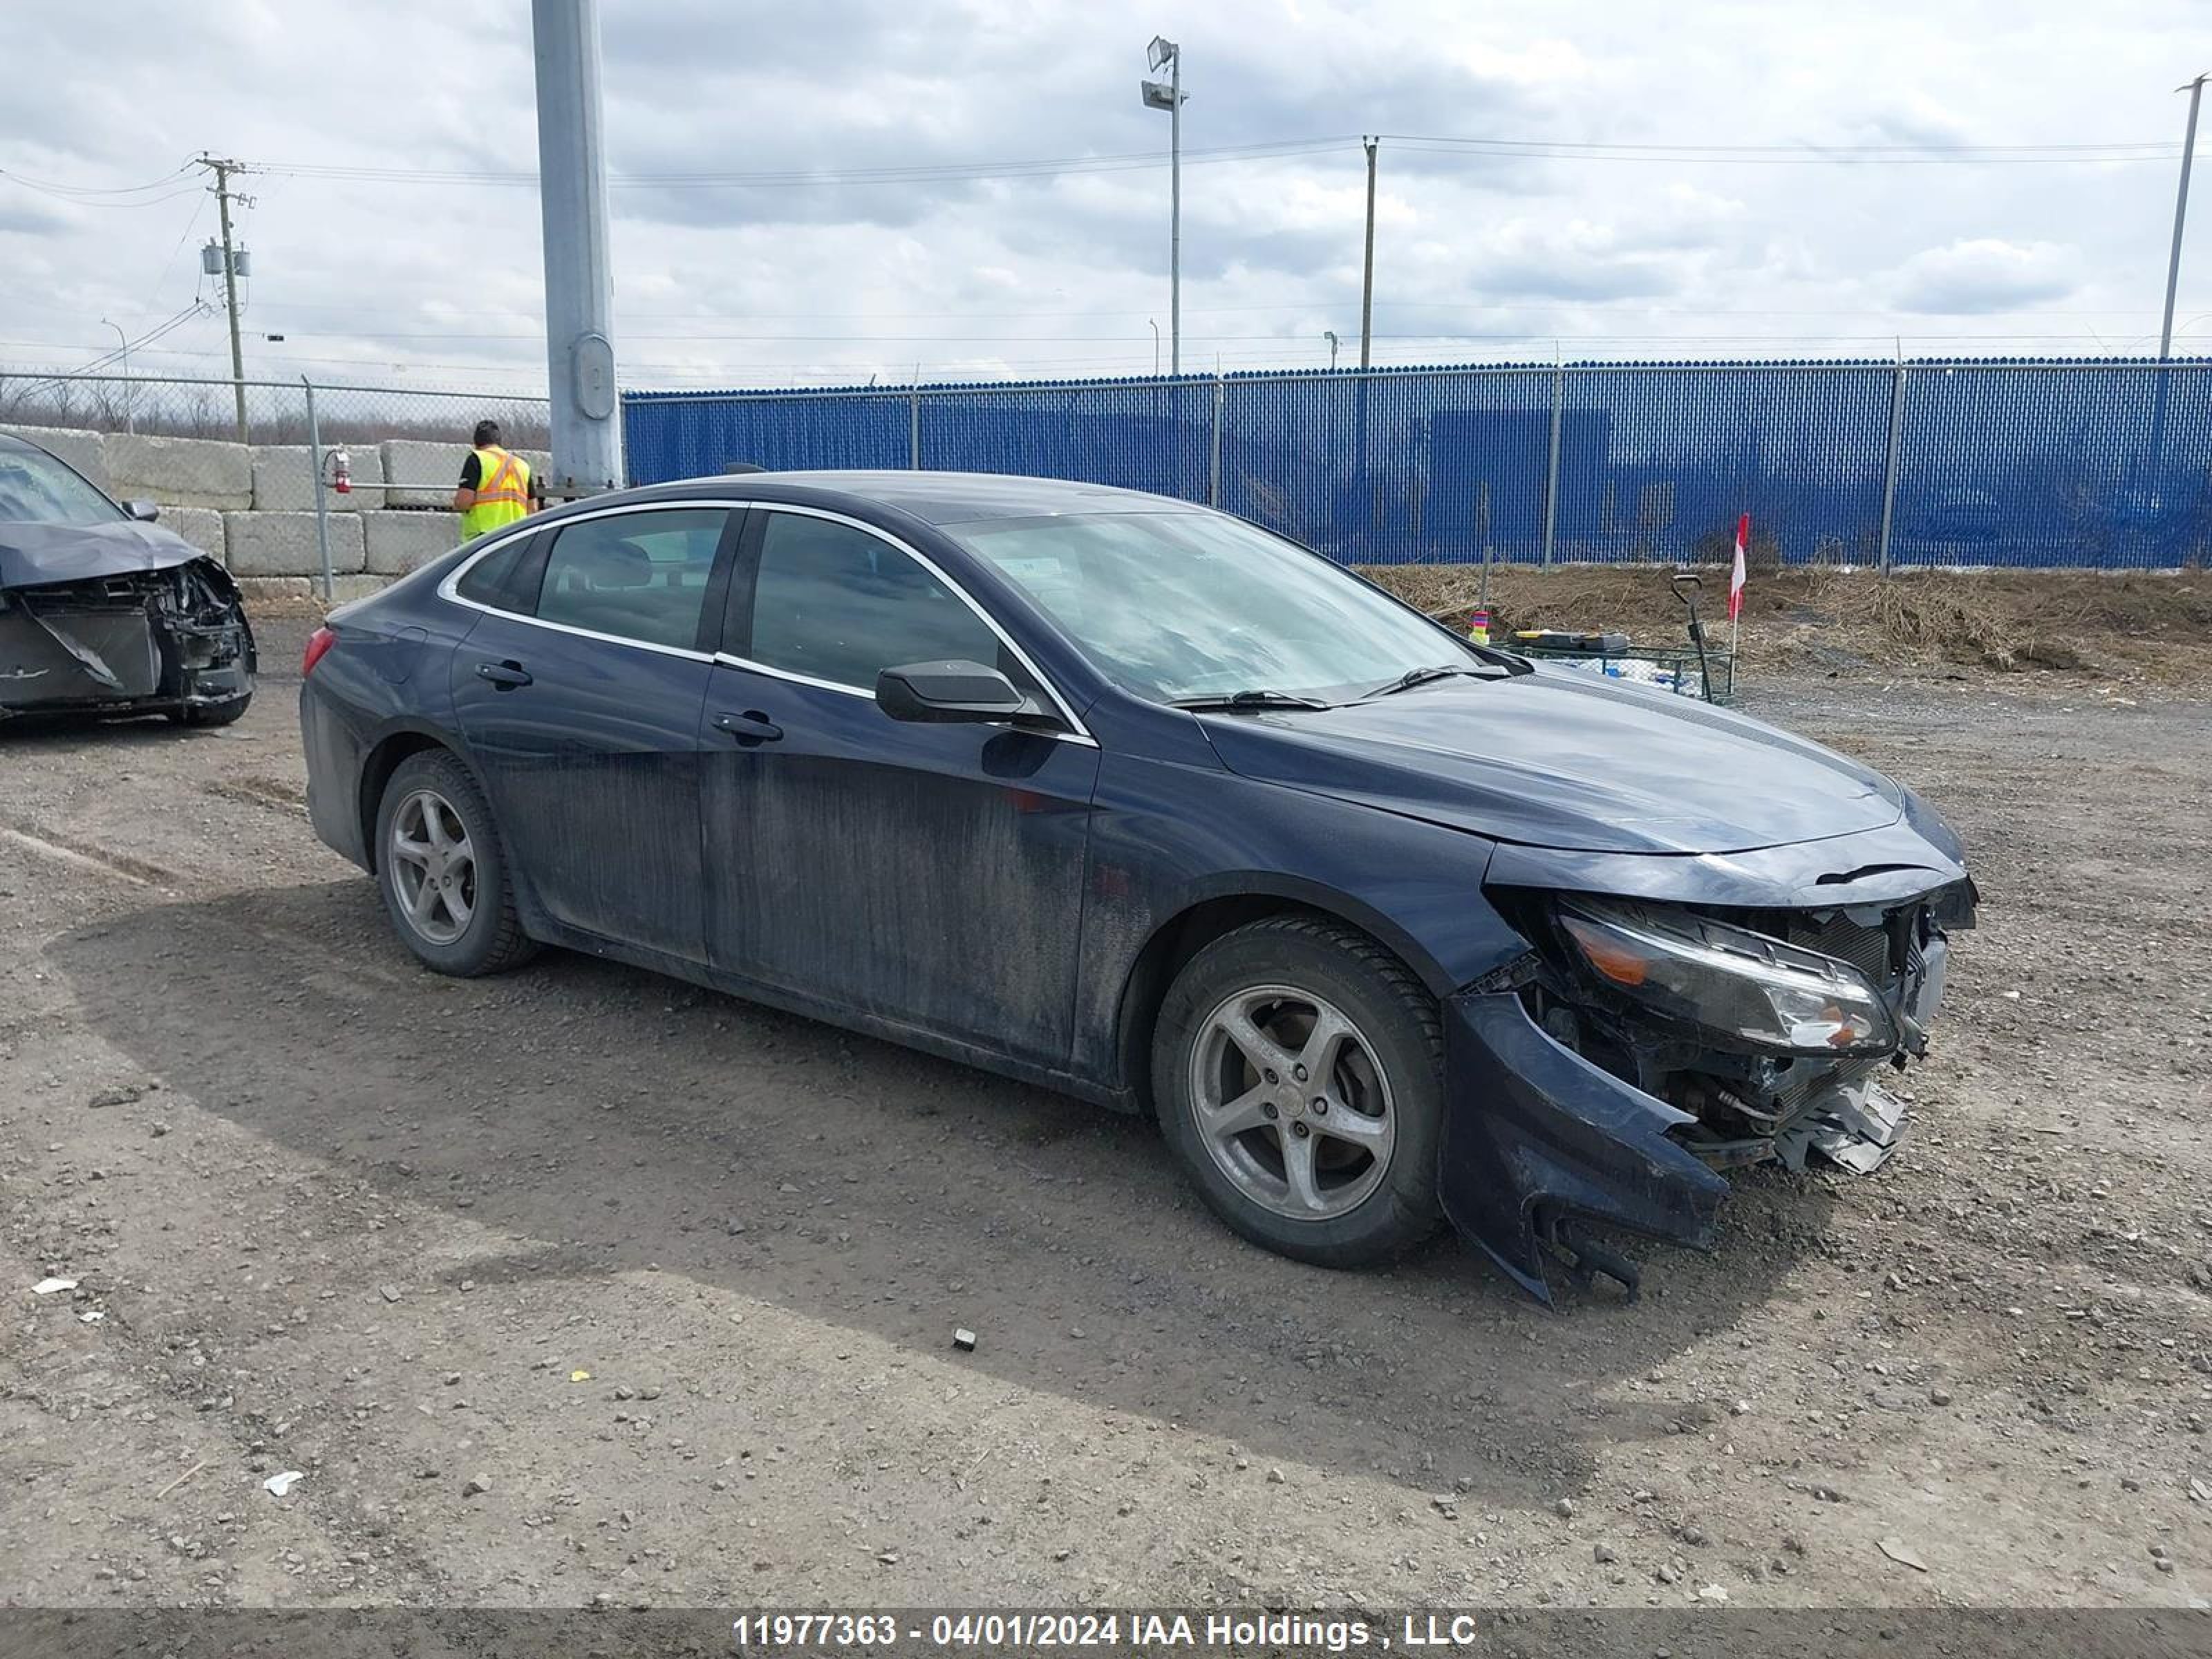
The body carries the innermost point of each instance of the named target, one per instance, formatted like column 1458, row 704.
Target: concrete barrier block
column 400, row 542
column 283, row 483
column 284, row 544
column 426, row 474
column 180, row 471
column 346, row 589
column 82, row 450
column 200, row 525
column 278, row 593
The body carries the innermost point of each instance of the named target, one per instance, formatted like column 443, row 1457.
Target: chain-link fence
column 2103, row 464
column 280, row 479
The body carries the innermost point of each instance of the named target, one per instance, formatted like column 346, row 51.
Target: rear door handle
column 752, row 726
column 504, row 675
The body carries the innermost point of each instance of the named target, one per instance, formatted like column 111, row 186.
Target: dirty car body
column 102, row 611
column 1649, row 941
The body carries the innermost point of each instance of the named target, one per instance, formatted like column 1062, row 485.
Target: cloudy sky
column 828, row 191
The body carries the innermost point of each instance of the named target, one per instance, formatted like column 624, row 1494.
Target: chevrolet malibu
column 1140, row 802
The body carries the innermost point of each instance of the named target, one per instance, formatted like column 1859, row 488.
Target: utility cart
column 1695, row 670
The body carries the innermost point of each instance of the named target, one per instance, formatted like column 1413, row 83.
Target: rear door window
column 640, row 576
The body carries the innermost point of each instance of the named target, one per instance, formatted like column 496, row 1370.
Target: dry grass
column 2136, row 624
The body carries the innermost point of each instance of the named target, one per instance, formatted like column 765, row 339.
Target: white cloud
column 751, row 284
column 1983, row 276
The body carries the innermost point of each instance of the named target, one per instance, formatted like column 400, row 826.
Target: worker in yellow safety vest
column 497, row 488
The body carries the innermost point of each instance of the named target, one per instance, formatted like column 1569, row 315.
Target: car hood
column 1563, row 758
column 33, row 553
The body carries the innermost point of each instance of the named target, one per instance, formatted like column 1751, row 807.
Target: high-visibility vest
column 503, row 492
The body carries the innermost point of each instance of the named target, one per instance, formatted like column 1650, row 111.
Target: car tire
column 213, row 713
column 435, row 827
column 1289, row 978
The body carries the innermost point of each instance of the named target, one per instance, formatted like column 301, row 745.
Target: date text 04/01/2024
column 998, row 1630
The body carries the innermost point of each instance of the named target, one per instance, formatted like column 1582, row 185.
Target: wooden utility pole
column 222, row 170
column 1367, row 277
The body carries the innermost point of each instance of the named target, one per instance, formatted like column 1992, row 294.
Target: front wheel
column 212, row 714
column 1298, row 1068
column 443, row 872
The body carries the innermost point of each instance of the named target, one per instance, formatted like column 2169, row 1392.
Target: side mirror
column 944, row 692
column 144, row 512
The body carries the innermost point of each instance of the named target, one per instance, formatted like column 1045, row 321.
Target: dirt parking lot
column 581, row 1285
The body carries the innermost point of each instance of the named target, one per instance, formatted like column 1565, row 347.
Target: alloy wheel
column 433, row 866
column 1290, row 1102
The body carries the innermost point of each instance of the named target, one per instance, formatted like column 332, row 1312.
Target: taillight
column 318, row 643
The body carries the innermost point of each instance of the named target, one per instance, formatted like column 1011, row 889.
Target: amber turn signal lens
column 1615, row 960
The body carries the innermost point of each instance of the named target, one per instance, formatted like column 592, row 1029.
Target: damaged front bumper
column 1572, row 1104
column 169, row 640
column 1537, row 1139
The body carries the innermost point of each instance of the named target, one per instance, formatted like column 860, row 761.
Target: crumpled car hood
column 33, row 553
column 1563, row 758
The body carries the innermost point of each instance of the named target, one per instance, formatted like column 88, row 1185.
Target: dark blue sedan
column 1136, row 800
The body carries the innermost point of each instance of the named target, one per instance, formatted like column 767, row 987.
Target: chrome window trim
column 448, row 588
column 448, row 591
column 1077, row 732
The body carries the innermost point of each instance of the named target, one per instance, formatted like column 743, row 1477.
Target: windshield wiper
column 1414, row 677
column 1250, row 699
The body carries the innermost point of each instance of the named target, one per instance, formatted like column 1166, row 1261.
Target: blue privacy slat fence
column 2104, row 464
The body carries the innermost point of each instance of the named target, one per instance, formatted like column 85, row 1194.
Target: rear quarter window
column 505, row 579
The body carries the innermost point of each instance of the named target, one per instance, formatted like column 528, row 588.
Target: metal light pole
column 572, row 189
column 124, row 352
column 1329, row 335
column 2196, row 90
column 1156, row 346
column 1165, row 54
column 1367, row 265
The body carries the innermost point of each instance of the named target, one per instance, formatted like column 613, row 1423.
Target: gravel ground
column 580, row 1285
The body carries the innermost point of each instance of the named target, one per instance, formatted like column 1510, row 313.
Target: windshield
column 36, row 489
column 1176, row 606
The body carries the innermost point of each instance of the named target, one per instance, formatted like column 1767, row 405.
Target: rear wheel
column 443, row 872
column 1297, row 1067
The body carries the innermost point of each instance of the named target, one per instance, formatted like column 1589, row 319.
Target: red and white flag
column 1735, row 576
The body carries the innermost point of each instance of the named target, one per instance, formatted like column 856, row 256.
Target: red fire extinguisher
column 340, row 472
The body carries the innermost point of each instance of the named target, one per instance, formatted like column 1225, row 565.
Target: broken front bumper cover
column 169, row 640
column 1536, row 1139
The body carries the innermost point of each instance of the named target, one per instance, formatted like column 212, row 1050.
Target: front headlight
column 1690, row 968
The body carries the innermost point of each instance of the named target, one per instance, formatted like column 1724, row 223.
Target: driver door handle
column 504, row 675
column 752, row 726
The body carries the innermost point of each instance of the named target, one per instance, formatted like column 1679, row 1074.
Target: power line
column 114, row 353
column 74, row 191
column 932, row 173
column 1056, row 167
column 1801, row 147
column 1802, row 155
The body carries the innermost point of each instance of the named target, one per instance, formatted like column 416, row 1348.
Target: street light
column 1165, row 54
column 1329, row 335
column 125, row 353
column 1154, row 321
column 2196, row 90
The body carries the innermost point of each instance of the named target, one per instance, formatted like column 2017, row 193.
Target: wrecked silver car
column 102, row 611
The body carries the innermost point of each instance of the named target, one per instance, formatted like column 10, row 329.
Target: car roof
column 935, row 498
column 11, row 441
